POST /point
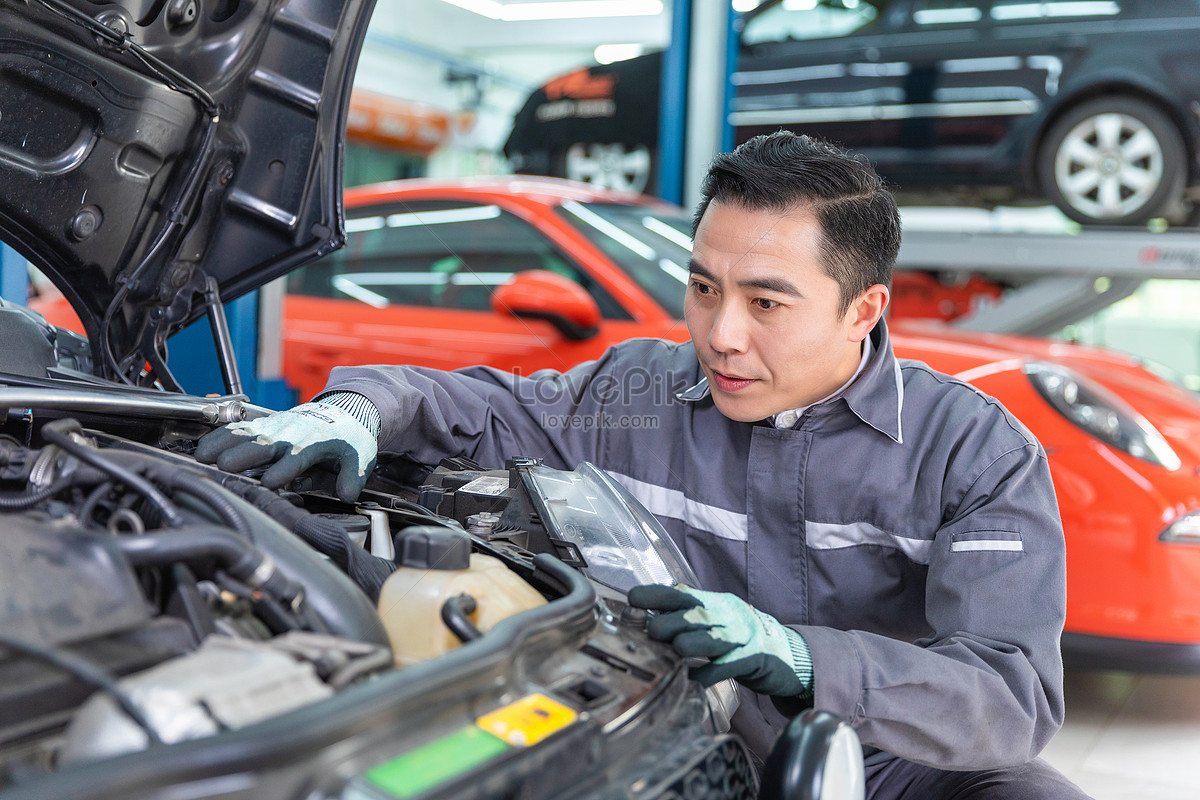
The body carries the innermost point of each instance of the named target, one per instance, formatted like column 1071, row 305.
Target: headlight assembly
column 1101, row 413
column 622, row 542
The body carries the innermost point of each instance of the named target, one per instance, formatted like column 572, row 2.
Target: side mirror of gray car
column 541, row 294
column 817, row 757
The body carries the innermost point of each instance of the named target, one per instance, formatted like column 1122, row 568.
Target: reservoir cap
column 433, row 547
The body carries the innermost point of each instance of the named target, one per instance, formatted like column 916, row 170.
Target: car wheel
column 1113, row 161
column 610, row 166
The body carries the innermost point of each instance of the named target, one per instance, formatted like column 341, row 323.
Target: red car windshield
column 652, row 245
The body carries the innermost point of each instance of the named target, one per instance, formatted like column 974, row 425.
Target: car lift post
column 695, row 96
column 14, row 276
column 672, row 114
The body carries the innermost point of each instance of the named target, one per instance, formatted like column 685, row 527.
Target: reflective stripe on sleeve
column 834, row 536
column 983, row 544
column 975, row 541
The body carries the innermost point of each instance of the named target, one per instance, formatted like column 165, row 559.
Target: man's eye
column 765, row 304
column 701, row 288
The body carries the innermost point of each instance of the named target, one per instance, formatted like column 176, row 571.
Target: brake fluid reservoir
column 435, row 564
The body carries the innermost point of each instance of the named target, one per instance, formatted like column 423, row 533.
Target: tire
column 1113, row 161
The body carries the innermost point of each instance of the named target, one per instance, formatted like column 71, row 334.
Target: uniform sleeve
column 984, row 689
column 490, row 415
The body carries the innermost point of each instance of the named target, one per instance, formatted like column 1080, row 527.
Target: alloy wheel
column 1109, row 165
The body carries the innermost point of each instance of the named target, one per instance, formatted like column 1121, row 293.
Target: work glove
column 292, row 441
column 741, row 642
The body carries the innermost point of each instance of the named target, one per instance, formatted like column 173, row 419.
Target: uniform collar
column 696, row 392
column 876, row 396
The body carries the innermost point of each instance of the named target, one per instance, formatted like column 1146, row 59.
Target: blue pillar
column 707, row 93
column 14, row 276
column 672, row 114
column 732, row 39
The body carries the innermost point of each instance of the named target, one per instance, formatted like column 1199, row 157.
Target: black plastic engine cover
column 60, row 584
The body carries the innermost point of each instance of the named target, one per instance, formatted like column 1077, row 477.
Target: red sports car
column 528, row 273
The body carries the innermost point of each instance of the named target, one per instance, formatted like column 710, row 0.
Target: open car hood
column 157, row 154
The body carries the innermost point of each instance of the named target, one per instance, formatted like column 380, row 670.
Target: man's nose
column 729, row 333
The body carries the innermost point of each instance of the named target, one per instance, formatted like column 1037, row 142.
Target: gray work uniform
column 907, row 528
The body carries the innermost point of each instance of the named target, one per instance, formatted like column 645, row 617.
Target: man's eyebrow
column 778, row 285
column 768, row 284
column 695, row 268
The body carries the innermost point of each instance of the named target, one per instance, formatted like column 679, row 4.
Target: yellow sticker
column 527, row 721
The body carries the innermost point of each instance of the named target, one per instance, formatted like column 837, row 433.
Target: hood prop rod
column 221, row 336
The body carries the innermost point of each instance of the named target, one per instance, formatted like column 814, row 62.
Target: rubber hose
column 190, row 483
column 24, row 500
column 93, row 499
column 366, row 570
column 456, row 613
column 342, row 606
column 58, row 432
column 277, row 618
column 189, row 544
column 326, row 536
column 217, row 500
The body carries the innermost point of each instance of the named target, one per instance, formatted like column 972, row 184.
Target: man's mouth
column 730, row 383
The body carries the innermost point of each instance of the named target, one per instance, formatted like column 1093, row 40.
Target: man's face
column 763, row 313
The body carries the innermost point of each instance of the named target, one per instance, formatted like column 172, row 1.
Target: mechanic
column 874, row 538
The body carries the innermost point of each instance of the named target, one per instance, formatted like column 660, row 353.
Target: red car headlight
column 1185, row 530
column 1101, row 413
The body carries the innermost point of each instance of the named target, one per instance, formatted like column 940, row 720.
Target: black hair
column 784, row 171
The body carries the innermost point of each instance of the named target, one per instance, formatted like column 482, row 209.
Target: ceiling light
column 559, row 9
column 608, row 53
column 484, row 8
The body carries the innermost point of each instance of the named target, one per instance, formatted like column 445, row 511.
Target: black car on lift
column 1092, row 105
column 169, row 629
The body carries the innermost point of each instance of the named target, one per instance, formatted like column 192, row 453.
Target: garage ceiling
column 443, row 26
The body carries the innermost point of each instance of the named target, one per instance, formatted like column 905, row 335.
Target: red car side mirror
column 541, row 294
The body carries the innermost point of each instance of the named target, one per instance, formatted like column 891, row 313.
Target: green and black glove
column 340, row 429
column 741, row 642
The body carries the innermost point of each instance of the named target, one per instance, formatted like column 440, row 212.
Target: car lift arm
column 1066, row 276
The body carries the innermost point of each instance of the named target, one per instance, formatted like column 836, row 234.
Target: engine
column 122, row 560
column 148, row 599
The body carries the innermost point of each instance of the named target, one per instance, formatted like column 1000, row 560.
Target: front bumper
column 1087, row 652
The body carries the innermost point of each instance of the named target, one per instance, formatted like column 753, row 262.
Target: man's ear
column 865, row 312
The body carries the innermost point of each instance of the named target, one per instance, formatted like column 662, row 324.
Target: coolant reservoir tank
column 435, row 564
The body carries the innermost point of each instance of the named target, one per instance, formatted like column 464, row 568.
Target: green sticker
column 431, row 764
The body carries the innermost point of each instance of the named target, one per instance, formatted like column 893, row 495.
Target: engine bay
column 150, row 600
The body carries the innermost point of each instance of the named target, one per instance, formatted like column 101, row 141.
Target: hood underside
column 157, row 154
